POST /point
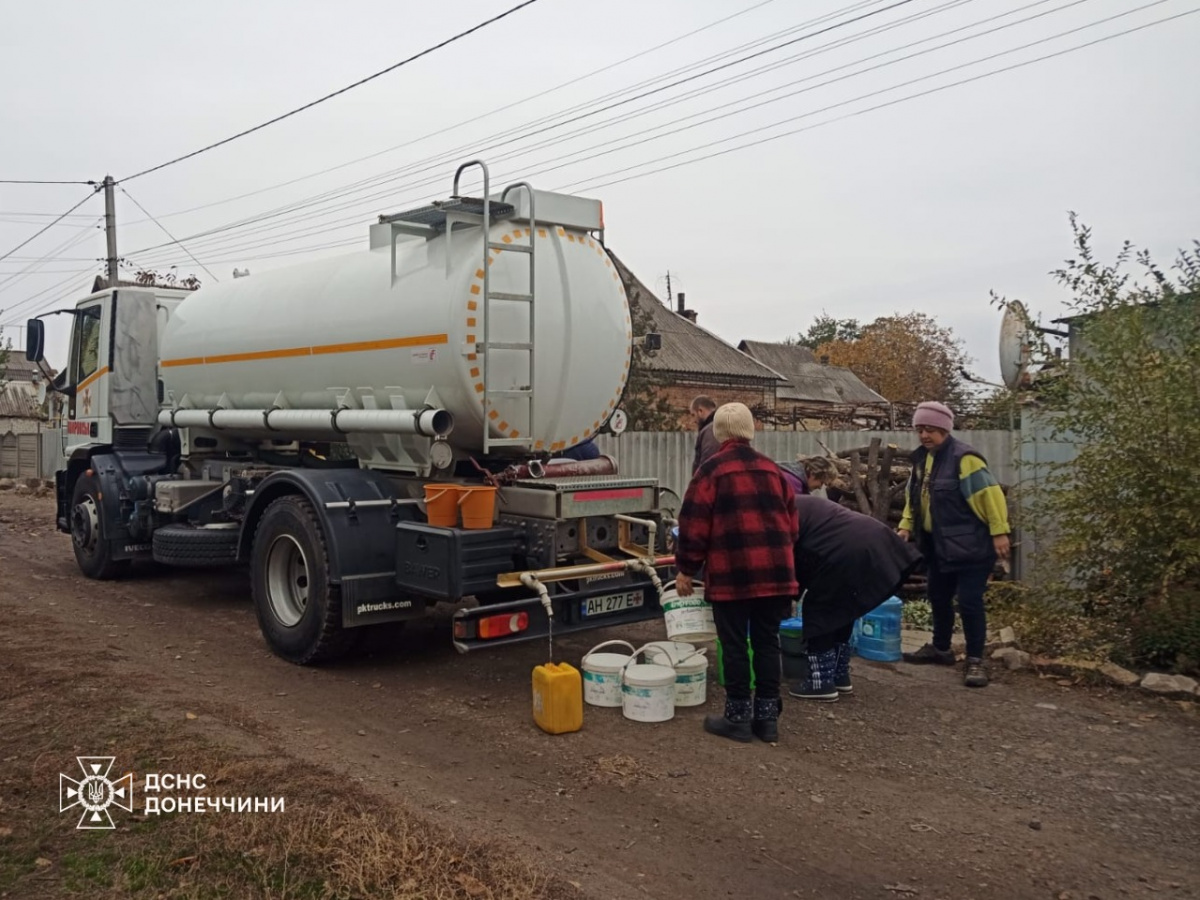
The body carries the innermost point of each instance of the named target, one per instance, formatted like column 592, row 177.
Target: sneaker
column 974, row 675
column 930, row 655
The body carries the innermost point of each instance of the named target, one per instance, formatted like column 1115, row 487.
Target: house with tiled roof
column 694, row 361
column 22, row 418
column 817, row 395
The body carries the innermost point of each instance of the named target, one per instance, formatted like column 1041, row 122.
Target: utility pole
column 110, row 228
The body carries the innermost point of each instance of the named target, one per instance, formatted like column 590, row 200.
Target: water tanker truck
column 324, row 423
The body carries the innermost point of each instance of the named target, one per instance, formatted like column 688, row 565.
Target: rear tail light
column 502, row 626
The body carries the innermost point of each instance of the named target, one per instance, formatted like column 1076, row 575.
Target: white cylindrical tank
column 313, row 332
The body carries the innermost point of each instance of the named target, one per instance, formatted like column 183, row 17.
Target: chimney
column 682, row 310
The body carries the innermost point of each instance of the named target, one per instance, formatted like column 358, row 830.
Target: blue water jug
column 878, row 632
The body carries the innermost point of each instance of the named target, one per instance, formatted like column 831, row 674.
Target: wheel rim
column 287, row 580
column 85, row 524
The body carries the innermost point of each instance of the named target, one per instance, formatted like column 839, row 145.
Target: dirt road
column 916, row 787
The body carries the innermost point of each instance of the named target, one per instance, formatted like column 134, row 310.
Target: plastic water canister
column 557, row 698
column 879, row 632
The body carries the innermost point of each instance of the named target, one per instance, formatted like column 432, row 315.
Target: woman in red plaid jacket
column 738, row 522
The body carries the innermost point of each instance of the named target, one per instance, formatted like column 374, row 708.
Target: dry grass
column 334, row 840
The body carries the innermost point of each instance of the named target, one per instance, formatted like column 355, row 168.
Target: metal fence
column 667, row 455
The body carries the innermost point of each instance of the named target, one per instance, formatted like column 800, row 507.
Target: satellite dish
column 1015, row 345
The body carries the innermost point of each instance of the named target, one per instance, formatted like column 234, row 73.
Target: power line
column 28, row 181
column 554, row 164
column 431, row 162
column 474, row 119
column 330, row 96
column 597, row 181
column 174, row 240
column 33, row 297
column 37, row 262
column 861, row 112
column 51, row 225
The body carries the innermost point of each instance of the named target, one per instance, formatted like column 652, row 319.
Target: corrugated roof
column 810, row 381
column 18, row 400
column 18, row 368
column 687, row 348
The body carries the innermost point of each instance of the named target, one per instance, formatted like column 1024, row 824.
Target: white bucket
column 691, row 670
column 602, row 674
column 648, row 691
column 688, row 618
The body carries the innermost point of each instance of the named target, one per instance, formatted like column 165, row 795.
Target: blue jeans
column 969, row 585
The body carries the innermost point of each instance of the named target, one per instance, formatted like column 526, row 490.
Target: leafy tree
column 824, row 329
column 1126, row 511
column 906, row 358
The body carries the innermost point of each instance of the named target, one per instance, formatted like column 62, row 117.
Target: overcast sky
column 926, row 204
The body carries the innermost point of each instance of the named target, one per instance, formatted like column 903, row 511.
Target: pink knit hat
column 934, row 414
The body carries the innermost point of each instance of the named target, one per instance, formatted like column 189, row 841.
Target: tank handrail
column 486, row 181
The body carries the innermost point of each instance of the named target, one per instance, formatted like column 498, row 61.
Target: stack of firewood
column 871, row 479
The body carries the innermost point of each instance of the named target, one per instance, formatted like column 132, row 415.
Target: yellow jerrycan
column 557, row 698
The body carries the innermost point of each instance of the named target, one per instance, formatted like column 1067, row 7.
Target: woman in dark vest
column 959, row 516
column 847, row 564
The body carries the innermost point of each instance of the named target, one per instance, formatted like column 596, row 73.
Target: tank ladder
column 483, row 348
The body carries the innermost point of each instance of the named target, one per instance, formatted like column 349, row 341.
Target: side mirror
column 35, row 340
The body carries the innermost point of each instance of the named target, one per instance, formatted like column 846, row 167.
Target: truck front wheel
column 89, row 531
column 299, row 611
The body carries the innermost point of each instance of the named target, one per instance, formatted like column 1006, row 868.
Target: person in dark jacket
column 703, row 410
column 738, row 522
column 959, row 516
column 847, row 564
column 582, row 451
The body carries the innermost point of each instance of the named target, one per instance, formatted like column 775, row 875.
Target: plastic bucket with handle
column 477, row 502
column 688, row 619
column 602, row 674
column 441, row 504
column 691, row 670
column 647, row 690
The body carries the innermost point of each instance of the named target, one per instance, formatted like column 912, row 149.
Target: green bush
column 1165, row 632
column 1124, row 515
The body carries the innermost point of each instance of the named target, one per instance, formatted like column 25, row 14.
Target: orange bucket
column 478, row 505
column 441, row 504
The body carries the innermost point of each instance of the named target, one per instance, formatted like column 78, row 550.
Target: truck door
column 91, row 354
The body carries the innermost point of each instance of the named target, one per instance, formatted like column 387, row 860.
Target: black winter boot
column 766, row 719
column 819, row 685
column 841, row 674
column 735, row 724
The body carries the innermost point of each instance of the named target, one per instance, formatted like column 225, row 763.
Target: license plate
column 611, row 603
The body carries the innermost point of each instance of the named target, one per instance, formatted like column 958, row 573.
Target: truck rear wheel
column 89, row 532
column 299, row 611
